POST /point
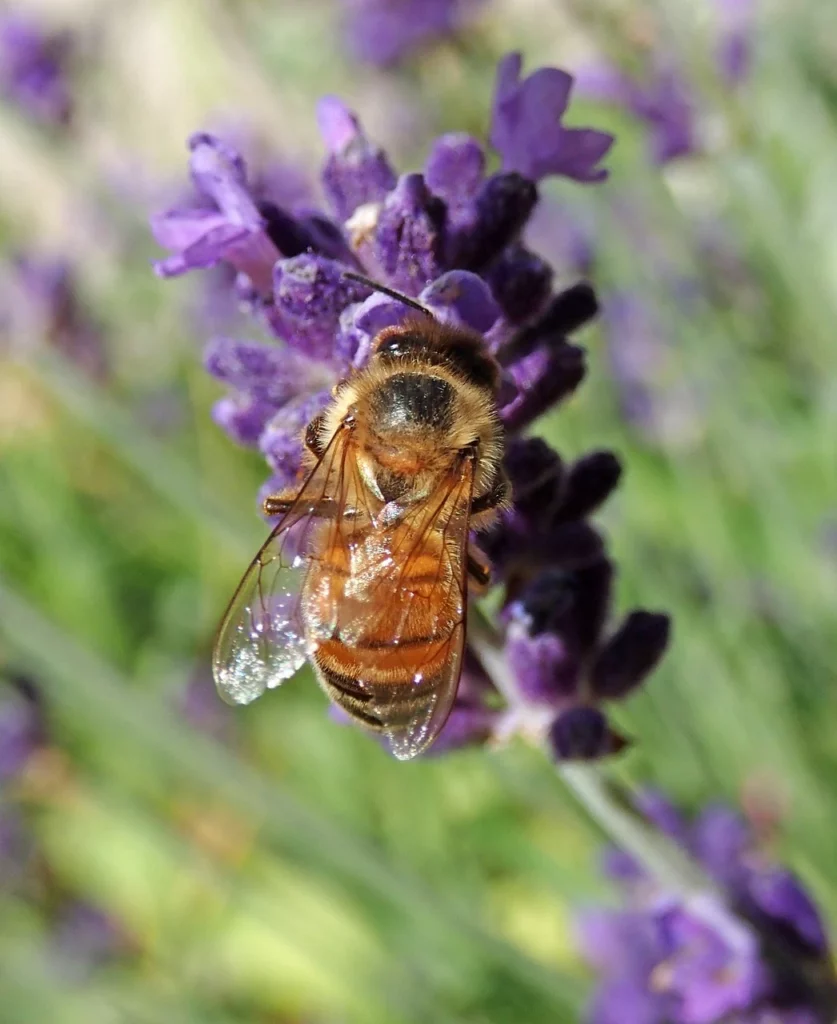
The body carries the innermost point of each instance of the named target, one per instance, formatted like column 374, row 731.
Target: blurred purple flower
column 696, row 963
column 654, row 396
column 663, row 99
column 40, row 301
column 384, row 32
column 84, row 937
column 22, row 725
column 34, row 68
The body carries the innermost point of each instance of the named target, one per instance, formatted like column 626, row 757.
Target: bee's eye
column 396, row 346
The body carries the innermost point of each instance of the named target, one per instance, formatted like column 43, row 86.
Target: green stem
column 609, row 805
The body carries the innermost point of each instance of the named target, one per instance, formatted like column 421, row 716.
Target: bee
column 367, row 571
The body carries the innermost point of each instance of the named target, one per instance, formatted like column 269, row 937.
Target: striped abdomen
column 381, row 613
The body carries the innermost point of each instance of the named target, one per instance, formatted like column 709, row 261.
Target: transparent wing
column 407, row 623
column 261, row 639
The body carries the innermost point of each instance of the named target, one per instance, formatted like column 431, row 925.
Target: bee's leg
column 479, row 571
column 312, row 436
column 279, row 504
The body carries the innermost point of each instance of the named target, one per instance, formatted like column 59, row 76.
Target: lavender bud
column 630, row 655
column 521, row 282
column 543, row 379
column 462, row 298
column 498, row 214
column 590, row 481
column 583, row 734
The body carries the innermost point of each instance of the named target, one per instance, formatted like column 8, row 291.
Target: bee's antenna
column 391, row 292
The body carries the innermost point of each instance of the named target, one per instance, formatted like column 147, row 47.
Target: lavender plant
column 548, row 665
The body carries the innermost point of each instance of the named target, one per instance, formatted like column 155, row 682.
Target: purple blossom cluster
column 755, row 953
column 451, row 236
column 34, row 68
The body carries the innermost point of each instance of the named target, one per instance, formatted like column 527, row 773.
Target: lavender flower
column 34, row 69
column 757, row 953
column 384, row 32
column 452, row 236
column 526, row 126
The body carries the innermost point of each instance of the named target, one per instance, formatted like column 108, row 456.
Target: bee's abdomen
column 393, row 648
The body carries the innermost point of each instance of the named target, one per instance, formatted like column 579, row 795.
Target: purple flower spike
column 356, row 172
column 462, row 298
column 584, row 734
column 630, row 655
column 469, row 725
column 666, row 107
column 766, row 963
column 40, row 300
column 410, row 235
column 526, row 126
column 34, row 69
column 309, row 294
column 454, row 238
column 661, row 812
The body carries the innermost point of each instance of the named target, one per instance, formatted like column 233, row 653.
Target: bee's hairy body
column 421, row 409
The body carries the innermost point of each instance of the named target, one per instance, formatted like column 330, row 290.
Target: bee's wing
column 261, row 639
column 411, row 720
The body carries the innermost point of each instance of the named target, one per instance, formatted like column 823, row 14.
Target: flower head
column 696, row 963
column 450, row 236
column 34, row 69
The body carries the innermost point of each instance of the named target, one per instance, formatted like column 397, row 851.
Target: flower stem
column 608, row 803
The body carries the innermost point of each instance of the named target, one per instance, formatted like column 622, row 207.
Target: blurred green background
column 266, row 865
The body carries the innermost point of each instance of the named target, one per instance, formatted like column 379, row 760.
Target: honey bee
column 366, row 573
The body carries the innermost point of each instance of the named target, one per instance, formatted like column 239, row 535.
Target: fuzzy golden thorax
column 416, row 409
